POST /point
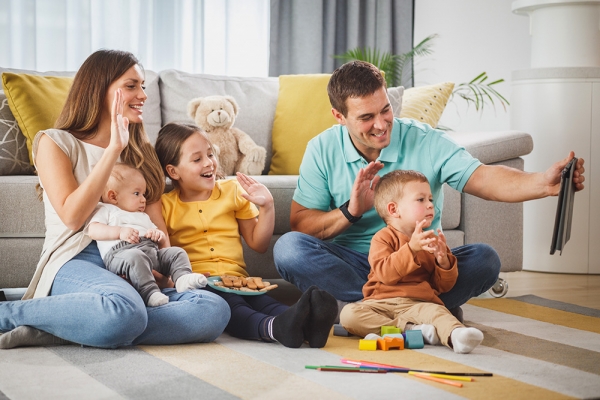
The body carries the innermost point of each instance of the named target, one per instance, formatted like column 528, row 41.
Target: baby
column 410, row 267
column 129, row 242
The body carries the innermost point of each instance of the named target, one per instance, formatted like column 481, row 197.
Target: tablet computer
column 564, row 209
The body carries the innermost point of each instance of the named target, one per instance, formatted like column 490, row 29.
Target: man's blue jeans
column 92, row 306
column 304, row 261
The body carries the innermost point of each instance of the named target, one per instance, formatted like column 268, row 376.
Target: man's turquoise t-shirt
column 331, row 163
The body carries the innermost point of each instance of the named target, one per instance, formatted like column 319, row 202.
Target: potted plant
column 477, row 91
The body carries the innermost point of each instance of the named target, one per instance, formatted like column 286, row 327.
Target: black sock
column 288, row 326
column 323, row 312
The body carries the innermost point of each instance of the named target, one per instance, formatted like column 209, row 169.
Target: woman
column 73, row 297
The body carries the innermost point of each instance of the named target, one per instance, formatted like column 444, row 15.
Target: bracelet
column 344, row 209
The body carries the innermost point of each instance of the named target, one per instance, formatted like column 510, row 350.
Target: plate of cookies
column 250, row 286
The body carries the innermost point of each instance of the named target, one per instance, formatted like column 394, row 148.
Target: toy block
column 367, row 344
column 372, row 336
column 389, row 329
column 394, row 335
column 414, row 340
column 338, row 330
column 388, row 342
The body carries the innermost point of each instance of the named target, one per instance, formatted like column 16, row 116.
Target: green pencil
column 335, row 368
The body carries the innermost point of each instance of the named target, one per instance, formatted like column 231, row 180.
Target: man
column 332, row 214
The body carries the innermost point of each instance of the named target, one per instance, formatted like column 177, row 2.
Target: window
column 222, row 37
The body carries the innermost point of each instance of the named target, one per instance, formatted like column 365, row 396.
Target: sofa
column 466, row 219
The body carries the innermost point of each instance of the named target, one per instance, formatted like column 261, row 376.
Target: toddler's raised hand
column 129, row 235
column 440, row 252
column 256, row 192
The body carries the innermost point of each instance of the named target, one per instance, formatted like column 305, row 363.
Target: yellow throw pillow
column 35, row 101
column 302, row 112
column 426, row 103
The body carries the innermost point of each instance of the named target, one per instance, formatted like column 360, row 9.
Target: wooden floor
column 583, row 290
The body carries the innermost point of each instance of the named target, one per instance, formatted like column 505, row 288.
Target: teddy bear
column 235, row 149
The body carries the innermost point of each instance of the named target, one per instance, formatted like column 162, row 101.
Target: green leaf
column 478, row 91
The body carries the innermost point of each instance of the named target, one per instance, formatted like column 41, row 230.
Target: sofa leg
column 499, row 289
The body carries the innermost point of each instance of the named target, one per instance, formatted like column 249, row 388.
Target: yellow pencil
column 444, row 376
column 439, row 380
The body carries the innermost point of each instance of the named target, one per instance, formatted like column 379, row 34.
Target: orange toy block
column 367, row 344
column 388, row 342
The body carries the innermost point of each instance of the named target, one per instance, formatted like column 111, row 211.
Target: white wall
column 474, row 36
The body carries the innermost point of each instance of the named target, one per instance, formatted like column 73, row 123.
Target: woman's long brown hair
column 83, row 108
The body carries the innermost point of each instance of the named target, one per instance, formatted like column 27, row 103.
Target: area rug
column 535, row 349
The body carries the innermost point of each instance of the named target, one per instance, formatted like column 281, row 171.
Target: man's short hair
column 353, row 79
column 391, row 188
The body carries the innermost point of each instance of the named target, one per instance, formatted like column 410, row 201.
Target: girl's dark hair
column 169, row 142
column 83, row 109
column 353, row 79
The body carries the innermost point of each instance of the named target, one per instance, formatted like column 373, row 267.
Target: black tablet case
column 564, row 209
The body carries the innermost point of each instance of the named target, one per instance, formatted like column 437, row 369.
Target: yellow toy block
column 367, row 344
column 389, row 342
column 389, row 329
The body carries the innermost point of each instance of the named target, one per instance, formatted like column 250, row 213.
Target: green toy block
column 364, row 344
column 413, row 340
column 390, row 329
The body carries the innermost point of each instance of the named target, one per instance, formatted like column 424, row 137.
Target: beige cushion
column 426, row 103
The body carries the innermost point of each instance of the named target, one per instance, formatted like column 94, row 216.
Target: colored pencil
column 335, row 368
column 396, row 368
column 442, row 376
column 439, row 380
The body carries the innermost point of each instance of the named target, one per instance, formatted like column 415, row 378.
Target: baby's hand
column 421, row 240
column 256, row 192
column 129, row 235
column 156, row 235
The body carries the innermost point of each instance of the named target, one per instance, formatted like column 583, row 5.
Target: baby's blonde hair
column 391, row 188
column 118, row 177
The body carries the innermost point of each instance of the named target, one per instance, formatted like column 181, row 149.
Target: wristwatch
column 344, row 209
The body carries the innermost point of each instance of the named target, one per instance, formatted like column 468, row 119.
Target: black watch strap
column 344, row 209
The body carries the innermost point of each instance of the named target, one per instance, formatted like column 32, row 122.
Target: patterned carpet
column 535, row 348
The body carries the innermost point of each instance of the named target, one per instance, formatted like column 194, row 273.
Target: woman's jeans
column 305, row 261
column 92, row 306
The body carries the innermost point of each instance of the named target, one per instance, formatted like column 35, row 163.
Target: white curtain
column 222, row 37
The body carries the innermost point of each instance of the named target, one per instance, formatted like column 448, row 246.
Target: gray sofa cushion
column 24, row 212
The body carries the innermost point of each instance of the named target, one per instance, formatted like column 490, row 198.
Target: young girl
column 206, row 217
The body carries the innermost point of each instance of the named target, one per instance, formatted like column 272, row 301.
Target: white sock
column 190, row 281
column 429, row 333
column 464, row 340
column 270, row 328
column 157, row 299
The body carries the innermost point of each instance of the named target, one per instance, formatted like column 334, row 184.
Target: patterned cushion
column 426, row 103
column 14, row 158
